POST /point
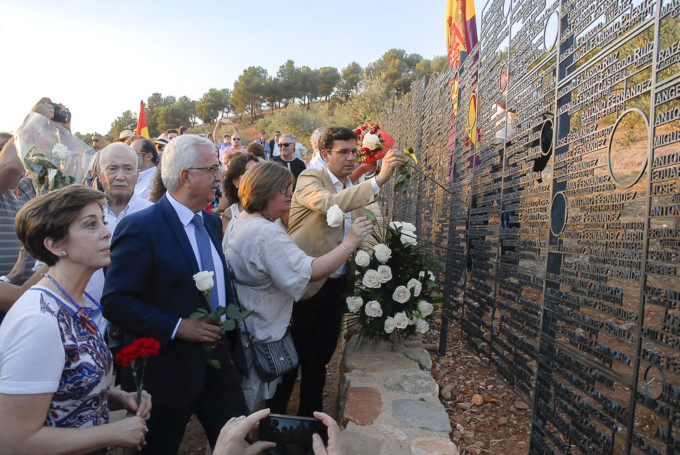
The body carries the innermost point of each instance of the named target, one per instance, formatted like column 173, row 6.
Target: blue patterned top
column 82, row 398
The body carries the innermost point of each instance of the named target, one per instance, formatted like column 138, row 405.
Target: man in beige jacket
column 317, row 318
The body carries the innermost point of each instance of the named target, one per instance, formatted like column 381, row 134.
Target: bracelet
column 7, row 280
column 346, row 250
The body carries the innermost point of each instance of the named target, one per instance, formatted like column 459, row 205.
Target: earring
column 64, row 254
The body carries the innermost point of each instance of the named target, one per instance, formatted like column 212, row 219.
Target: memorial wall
column 549, row 188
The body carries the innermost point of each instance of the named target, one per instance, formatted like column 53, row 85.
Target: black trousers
column 221, row 399
column 315, row 330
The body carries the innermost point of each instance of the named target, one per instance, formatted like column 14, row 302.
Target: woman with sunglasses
column 55, row 367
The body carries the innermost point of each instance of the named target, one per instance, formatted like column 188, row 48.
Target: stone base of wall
column 388, row 401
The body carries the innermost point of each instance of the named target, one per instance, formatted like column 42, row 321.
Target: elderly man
column 97, row 141
column 150, row 292
column 317, row 318
column 287, row 157
column 147, row 155
column 118, row 176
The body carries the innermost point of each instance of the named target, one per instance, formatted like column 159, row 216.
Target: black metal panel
column 555, row 148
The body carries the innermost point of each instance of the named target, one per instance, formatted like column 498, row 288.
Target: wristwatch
column 5, row 279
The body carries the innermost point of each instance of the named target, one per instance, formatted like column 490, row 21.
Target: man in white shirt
column 148, row 159
column 150, row 292
column 317, row 317
column 118, row 163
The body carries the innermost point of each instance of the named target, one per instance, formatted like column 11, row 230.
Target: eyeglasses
column 160, row 147
column 235, row 138
column 345, row 152
column 287, row 191
column 215, row 169
column 286, row 144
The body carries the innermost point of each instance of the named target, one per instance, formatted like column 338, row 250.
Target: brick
column 433, row 446
column 362, row 406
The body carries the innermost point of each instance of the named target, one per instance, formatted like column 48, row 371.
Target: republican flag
column 142, row 129
column 461, row 29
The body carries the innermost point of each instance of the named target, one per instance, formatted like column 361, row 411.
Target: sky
column 101, row 57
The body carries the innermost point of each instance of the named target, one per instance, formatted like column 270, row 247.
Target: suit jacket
column 307, row 225
column 149, row 285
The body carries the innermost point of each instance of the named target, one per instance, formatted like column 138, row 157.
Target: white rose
column 385, row 273
column 382, row 252
column 362, row 258
column 421, row 275
column 422, row 326
column 60, row 151
column 401, row 294
column 408, row 227
column 394, row 225
column 401, row 320
column 390, row 325
column 334, row 216
column 425, row 308
column 416, row 285
column 371, row 279
column 371, row 141
column 204, row 281
column 373, row 309
column 408, row 237
column 354, row 303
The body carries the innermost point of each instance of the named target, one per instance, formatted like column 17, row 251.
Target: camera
column 292, row 434
column 61, row 114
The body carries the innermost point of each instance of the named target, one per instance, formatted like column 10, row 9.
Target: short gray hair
column 181, row 153
column 284, row 136
column 105, row 153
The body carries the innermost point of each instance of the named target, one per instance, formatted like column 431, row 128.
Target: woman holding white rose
column 271, row 272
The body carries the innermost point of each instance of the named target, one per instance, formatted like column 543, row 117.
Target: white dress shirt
column 144, row 181
column 348, row 220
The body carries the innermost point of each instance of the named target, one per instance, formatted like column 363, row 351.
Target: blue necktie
column 204, row 250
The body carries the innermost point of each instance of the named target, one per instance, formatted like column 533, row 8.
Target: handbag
column 274, row 358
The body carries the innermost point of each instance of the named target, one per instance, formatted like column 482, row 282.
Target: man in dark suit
column 150, row 292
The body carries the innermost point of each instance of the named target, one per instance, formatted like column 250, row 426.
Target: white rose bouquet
column 395, row 281
column 53, row 157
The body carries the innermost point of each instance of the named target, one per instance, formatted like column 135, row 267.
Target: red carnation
column 358, row 131
column 363, row 127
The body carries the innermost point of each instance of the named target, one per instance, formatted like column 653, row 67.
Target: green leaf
column 244, row 314
column 215, row 364
column 229, row 325
column 220, row 311
column 369, row 214
column 207, row 347
column 399, row 187
column 213, row 318
column 401, row 178
column 196, row 315
column 403, row 170
column 232, row 311
column 202, row 310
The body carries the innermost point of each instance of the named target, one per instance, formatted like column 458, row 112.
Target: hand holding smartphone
column 292, row 434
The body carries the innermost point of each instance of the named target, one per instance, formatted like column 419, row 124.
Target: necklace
column 84, row 312
column 265, row 216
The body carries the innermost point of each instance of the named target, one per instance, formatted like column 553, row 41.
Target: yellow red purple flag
column 142, row 129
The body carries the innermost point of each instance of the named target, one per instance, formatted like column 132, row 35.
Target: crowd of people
column 89, row 268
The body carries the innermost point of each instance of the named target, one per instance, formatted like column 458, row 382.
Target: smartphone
column 292, row 434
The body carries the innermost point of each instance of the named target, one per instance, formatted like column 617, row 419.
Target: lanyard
column 84, row 312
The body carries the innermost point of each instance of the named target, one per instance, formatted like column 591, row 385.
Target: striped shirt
column 9, row 243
